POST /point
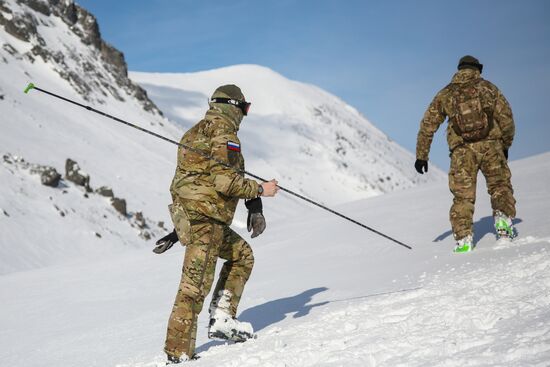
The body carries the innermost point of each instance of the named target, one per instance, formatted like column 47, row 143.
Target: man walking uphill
column 205, row 191
column 480, row 132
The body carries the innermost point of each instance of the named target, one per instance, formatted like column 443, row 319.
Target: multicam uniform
column 467, row 158
column 205, row 194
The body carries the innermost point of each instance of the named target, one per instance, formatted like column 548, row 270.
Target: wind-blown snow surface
column 323, row 293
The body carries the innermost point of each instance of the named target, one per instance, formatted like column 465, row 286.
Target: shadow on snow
column 272, row 312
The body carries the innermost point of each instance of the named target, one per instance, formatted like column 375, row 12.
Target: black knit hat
column 469, row 62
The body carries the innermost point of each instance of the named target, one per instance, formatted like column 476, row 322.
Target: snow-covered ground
column 323, row 293
column 80, row 287
column 42, row 226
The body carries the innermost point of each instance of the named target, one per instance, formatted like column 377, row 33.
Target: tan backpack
column 469, row 120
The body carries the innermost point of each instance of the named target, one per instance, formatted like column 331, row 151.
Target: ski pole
column 32, row 86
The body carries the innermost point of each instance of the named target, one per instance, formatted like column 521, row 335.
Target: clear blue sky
column 386, row 58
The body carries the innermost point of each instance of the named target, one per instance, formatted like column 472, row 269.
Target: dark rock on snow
column 74, row 174
column 119, row 205
column 140, row 220
column 105, row 191
column 50, row 177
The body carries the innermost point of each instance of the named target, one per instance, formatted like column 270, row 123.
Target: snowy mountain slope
column 311, row 141
column 58, row 47
column 70, row 297
column 295, row 132
column 323, row 293
column 42, row 226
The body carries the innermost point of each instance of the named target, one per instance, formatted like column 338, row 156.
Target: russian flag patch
column 233, row 146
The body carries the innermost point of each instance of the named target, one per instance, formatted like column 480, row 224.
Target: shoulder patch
column 236, row 147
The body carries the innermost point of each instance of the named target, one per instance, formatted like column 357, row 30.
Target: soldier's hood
column 226, row 111
column 465, row 75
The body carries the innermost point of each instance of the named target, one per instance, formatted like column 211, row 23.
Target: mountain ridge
column 296, row 132
column 30, row 22
column 325, row 137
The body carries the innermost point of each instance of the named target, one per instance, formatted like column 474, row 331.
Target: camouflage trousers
column 466, row 161
column 207, row 240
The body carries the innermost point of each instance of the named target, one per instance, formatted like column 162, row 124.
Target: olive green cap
column 230, row 91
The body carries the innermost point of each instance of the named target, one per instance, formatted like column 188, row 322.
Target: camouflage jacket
column 441, row 107
column 204, row 187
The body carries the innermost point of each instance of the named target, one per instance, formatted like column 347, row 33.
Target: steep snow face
column 307, row 138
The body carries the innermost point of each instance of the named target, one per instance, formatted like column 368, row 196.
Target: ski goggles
column 243, row 105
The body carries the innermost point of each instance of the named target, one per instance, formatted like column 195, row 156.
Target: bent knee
column 246, row 255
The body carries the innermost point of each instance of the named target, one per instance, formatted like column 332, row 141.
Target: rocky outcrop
column 20, row 27
column 39, row 6
column 119, row 205
column 145, row 227
column 145, row 235
column 140, row 220
column 86, row 28
column 74, row 174
column 92, row 82
column 50, row 177
column 105, row 191
column 115, row 58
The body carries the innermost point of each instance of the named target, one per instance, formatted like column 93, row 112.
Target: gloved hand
column 421, row 166
column 255, row 221
column 166, row 242
column 506, row 153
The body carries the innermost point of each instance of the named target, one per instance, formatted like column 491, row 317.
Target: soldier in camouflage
column 480, row 133
column 206, row 188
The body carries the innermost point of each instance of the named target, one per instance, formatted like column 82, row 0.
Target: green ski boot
column 465, row 244
column 504, row 227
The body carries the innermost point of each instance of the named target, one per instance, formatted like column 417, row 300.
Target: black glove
column 421, row 166
column 506, row 153
column 255, row 221
column 166, row 242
